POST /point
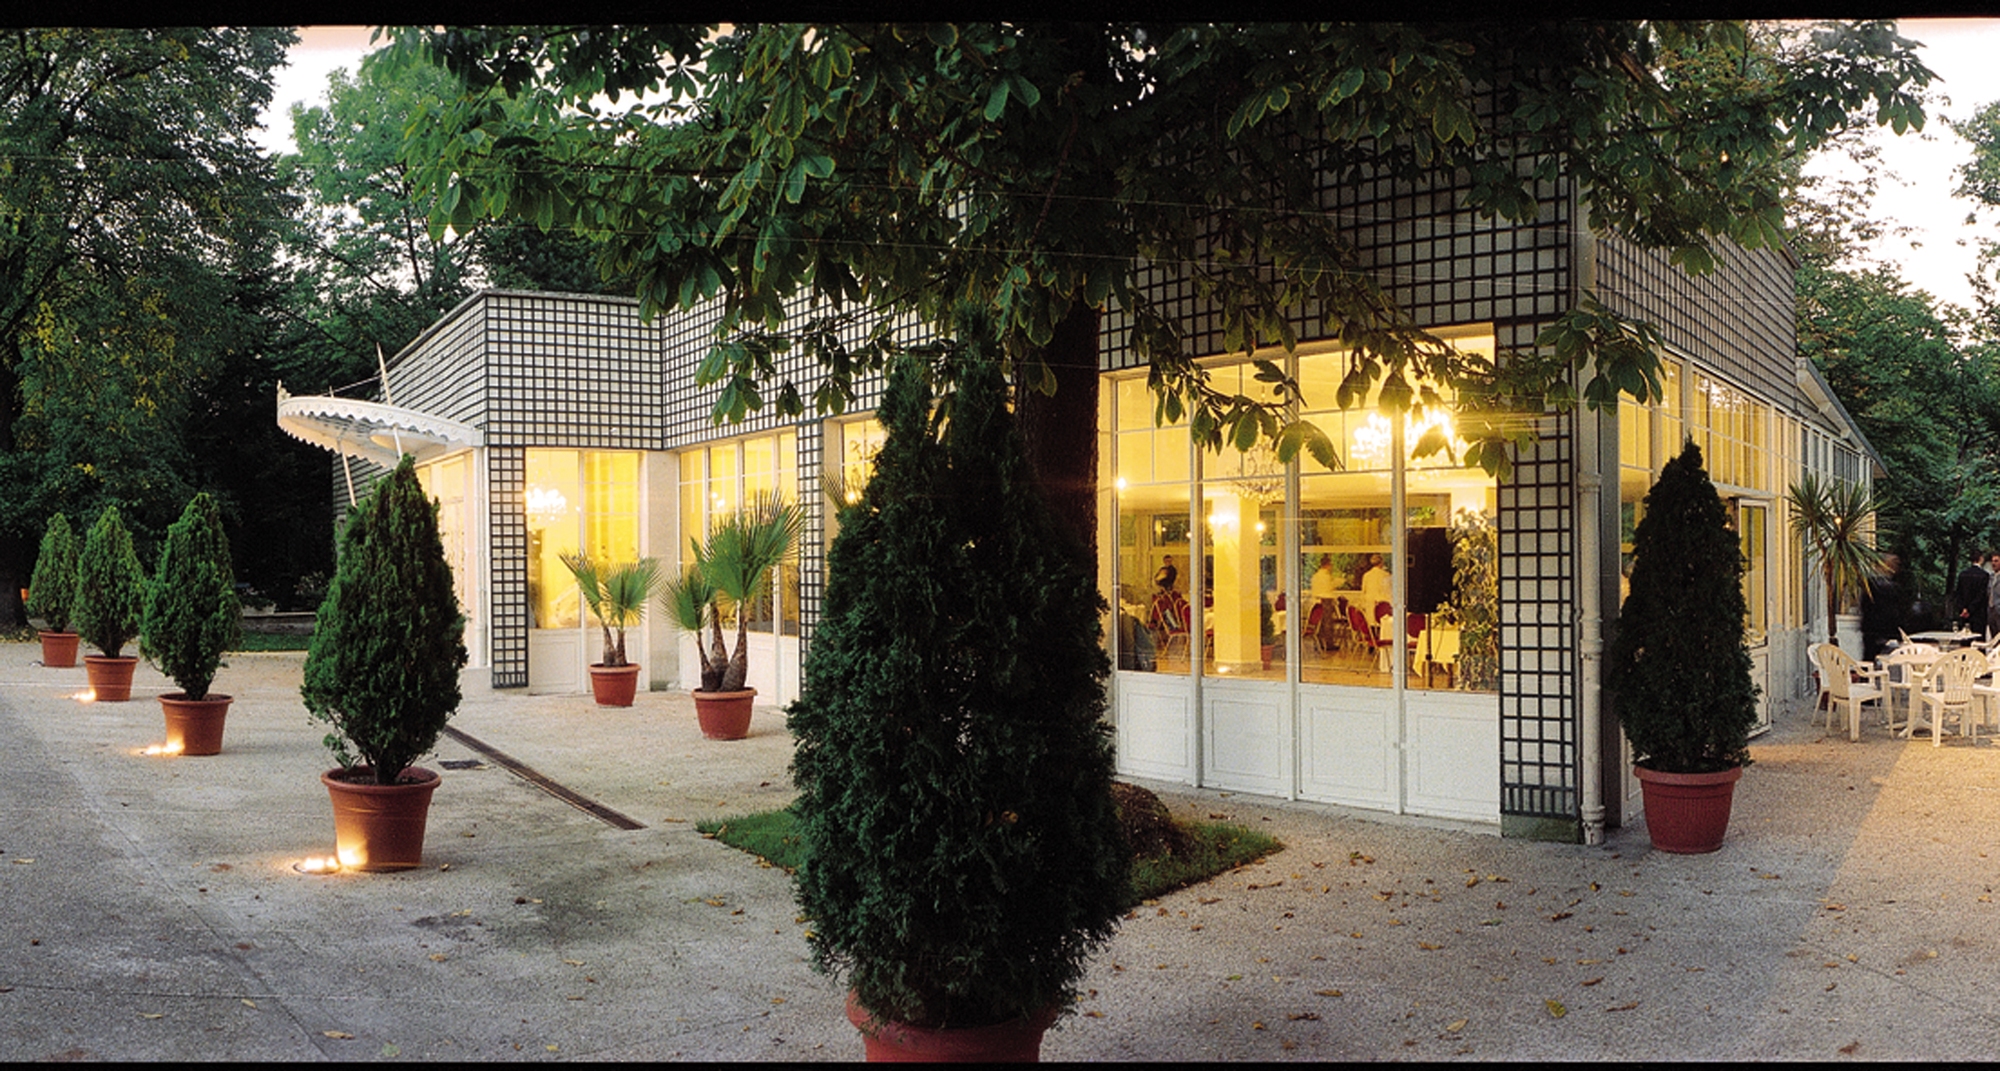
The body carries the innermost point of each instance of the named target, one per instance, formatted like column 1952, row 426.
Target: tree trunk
column 1060, row 430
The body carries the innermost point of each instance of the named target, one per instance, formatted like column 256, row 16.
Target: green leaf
column 996, row 101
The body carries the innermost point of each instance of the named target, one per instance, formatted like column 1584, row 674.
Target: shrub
column 1678, row 669
column 962, row 851
column 53, row 585
column 110, row 586
column 191, row 613
column 383, row 665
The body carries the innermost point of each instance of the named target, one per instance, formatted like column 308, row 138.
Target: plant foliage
column 384, row 661
column 110, row 586
column 954, row 768
column 1475, row 567
column 733, row 564
column 192, row 614
column 1678, row 668
column 616, row 596
column 1834, row 517
column 53, row 587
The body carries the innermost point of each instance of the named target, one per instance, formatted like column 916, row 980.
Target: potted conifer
column 617, row 597
column 51, row 590
column 383, row 670
column 110, row 592
column 191, row 616
column 733, row 564
column 1678, row 669
column 963, row 853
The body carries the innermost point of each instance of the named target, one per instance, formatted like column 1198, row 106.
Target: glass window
column 584, row 500
column 716, row 480
column 1151, row 487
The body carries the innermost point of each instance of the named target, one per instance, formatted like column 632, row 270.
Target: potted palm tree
column 110, row 591
column 734, row 565
column 1833, row 516
column 191, row 616
column 963, row 853
column 51, row 590
column 1678, row 669
column 617, row 597
column 383, row 670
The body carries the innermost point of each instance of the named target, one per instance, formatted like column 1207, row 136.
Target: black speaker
column 1430, row 583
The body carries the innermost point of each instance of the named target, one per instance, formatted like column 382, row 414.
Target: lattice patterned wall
column 573, row 370
column 506, row 496
column 1539, row 664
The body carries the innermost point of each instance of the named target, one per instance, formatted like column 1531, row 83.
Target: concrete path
column 153, row 912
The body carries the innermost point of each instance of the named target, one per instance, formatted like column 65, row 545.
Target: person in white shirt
column 1374, row 585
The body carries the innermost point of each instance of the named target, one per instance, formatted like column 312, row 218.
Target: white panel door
column 1155, row 714
column 1244, row 746
column 1347, row 746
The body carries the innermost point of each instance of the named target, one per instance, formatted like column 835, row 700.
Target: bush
column 383, row 665
column 192, row 614
column 53, row 587
column 962, row 851
column 110, row 586
column 1678, row 670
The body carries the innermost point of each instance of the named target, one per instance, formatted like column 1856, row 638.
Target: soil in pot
column 59, row 649
column 194, row 726
column 110, row 678
column 1016, row 1042
column 724, row 715
column 379, row 827
column 614, row 686
column 1687, row 814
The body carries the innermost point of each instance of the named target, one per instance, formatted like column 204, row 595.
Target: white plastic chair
column 1903, row 671
column 1837, row 669
column 1947, row 693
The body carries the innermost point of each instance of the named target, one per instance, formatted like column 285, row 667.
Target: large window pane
column 555, row 508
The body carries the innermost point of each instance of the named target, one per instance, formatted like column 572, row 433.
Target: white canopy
column 371, row 431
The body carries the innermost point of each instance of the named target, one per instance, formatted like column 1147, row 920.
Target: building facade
column 1401, row 634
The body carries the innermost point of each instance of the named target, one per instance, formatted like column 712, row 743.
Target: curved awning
column 371, row 431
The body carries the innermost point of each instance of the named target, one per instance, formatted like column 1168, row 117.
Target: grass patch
column 274, row 641
column 1216, row 848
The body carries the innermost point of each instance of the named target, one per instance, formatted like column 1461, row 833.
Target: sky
column 1936, row 256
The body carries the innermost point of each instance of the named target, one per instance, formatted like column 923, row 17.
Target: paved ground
column 152, row 911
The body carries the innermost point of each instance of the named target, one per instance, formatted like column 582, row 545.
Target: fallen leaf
column 1094, row 1014
column 1556, row 1010
column 1211, row 899
column 1594, row 981
column 1560, row 915
column 248, row 1003
column 219, row 868
column 1257, row 1026
column 1627, row 1006
column 1428, row 947
column 338, row 1035
column 1233, row 978
column 152, row 1015
column 22, row 862
column 574, row 962
column 1850, row 1048
column 777, row 1000
column 437, row 957
column 1304, row 1017
column 1455, row 1026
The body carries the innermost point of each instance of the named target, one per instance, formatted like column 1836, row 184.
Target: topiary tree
column 110, row 586
column 53, row 586
column 1678, row 669
column 951, row 721
column 192, row 614
column 383, row 665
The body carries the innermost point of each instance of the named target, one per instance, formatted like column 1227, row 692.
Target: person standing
column 1969, row 593
column 1993, row 593
column 1885, row 610
column 1375, row 588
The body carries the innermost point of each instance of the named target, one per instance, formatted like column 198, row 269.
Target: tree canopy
column 816, row 176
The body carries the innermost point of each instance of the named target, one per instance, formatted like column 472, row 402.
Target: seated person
column 1169, row 615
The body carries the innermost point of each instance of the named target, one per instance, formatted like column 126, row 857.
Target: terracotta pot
column 1016, row 1042
column 59, row 649
column 724, row 715
column 110, row 678
column 380, row 827
column 194, row 726
column 1687, row 813
column 614, row 686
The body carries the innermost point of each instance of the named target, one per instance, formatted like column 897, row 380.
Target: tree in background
column 130, row 213
column 817, row 177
